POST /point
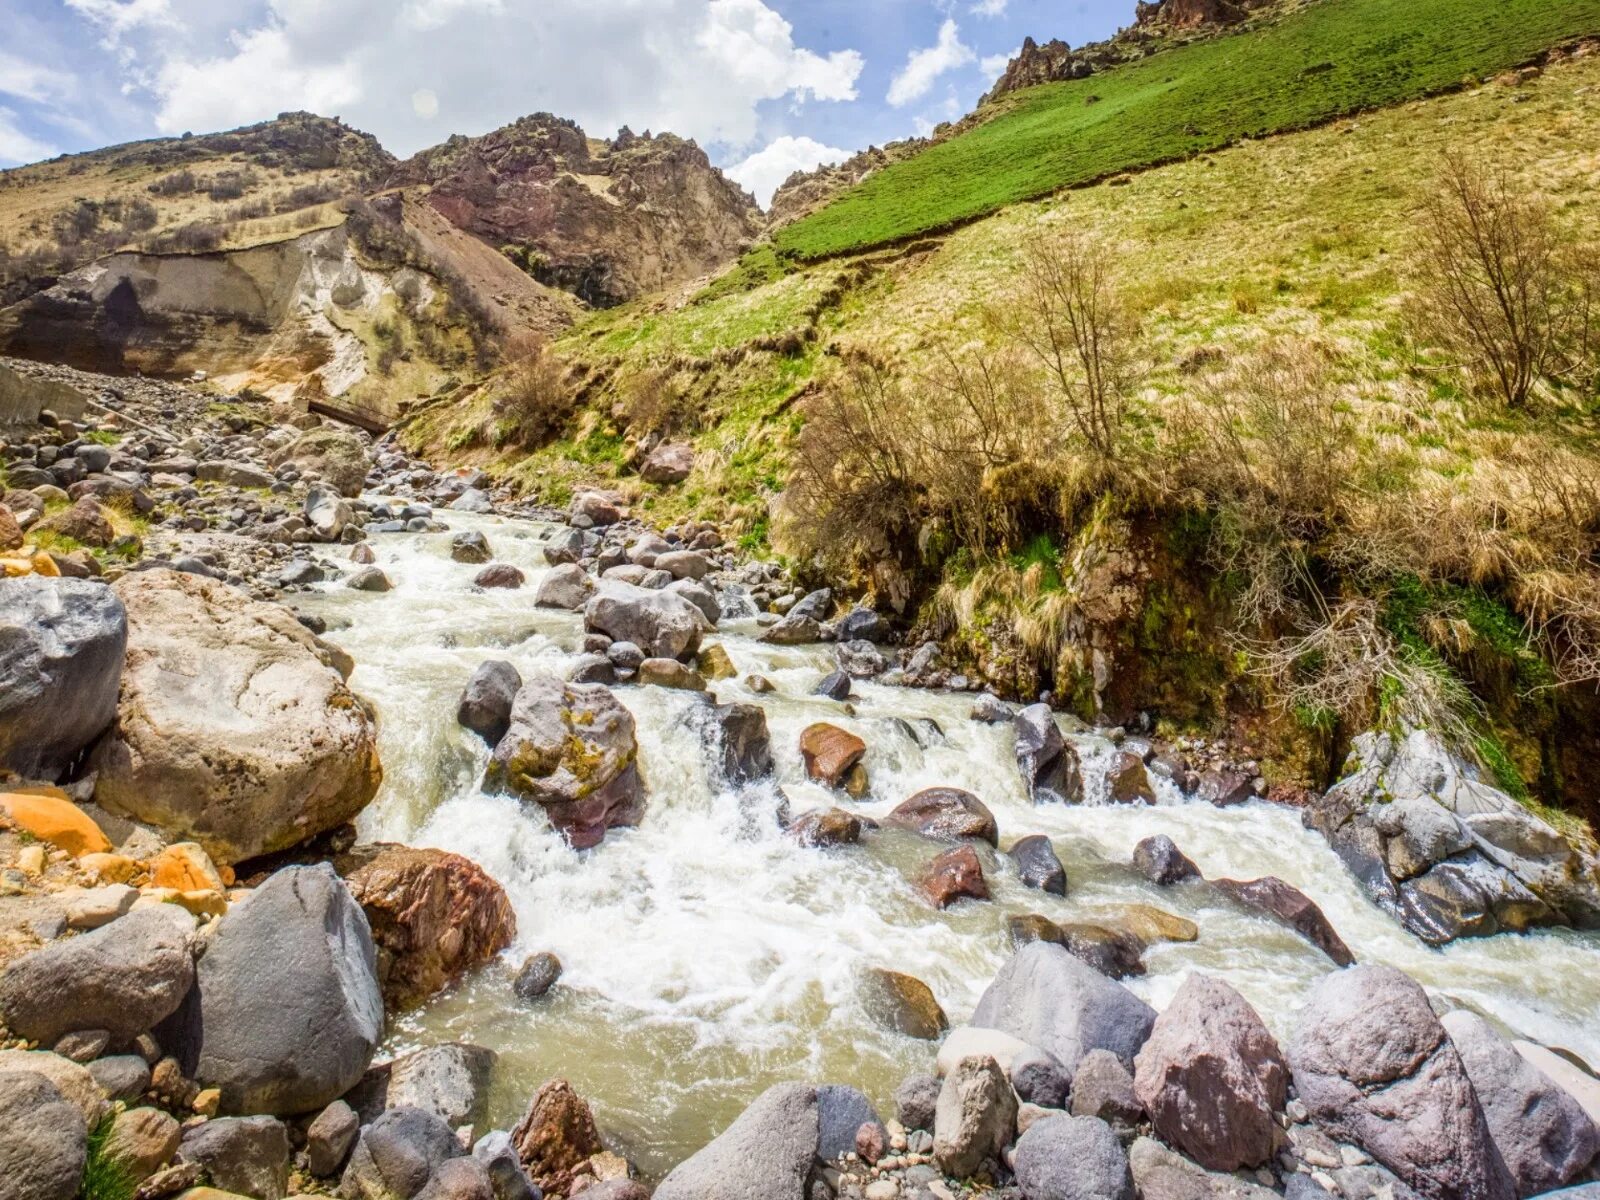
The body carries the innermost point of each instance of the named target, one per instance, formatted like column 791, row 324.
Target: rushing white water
column 708, row 956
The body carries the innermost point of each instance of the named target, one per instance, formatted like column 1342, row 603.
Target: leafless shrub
column 231, row 185
column 179, row 183
column 533, row 401
column 653, row 402
column 1498, row 290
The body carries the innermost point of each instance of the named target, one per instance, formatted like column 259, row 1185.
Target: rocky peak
column 806, row 191
column 605, row 220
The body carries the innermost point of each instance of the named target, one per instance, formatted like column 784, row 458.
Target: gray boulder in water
column 661, row 623
column 61, row 653
column 486, row 701
column 1447, row 853
column 1049, row 765
column 1374, row 1067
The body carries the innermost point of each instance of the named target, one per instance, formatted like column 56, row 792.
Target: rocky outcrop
column 571, row 750
column 61, row 651
column 232, row 729
column 606, row 221
column 806, row 191
column 1445, row 852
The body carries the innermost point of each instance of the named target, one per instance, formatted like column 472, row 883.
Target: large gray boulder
column 286, row 1011
column 1374, row 1067
column 1542, row 1133
column 1444, row 851
column 330, row 452
column 661, row 623
column 1050, row 999
column 766, row 1154
column 125, row 978
column 44, row 1142
column 451, row 1081
column 1212, row 1078
column 396, row 1155
column 485, row 705
column 1049, row 763
column 841, row 1112
column 571, row 750
column 1072, row 1158
column 976, row 1116
column 234, row 728
column 61, row 650
column 568, row 586
column 248, row 1156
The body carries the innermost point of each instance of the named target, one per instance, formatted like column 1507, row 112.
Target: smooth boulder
column 1072, row 1158
column 1038, row 864
column 661, row 623
column 234, row 728
column 62, row 644
column 946, row 814
column 766, row 1154
column 485, row 705
column 45, row 1141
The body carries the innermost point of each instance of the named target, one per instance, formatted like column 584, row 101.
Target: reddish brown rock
column 500, row 575
column 84, row 522
column 1130, row 782
column 557, row 1137
column 947, row 814
column 10, row 531
column 826, row 827
column 1293, row 908
column 954, row 875
column 433, row 914
column 830, row 752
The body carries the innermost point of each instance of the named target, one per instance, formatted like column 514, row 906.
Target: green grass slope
column 1335, row 58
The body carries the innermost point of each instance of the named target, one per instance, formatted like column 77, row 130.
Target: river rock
column 1212, row 1078
column 1037, row 864
column 502, row 576
column 123, row 1077
column 272, row 749
column 396, row 1155
column 248, row 1156
column 433, row 914
column 61, row 651
column 1292, row 907
column 50, row 815
column 450, row 1081
column 459, row 1179
column 661, row 623
column 287, row 1010
column 1374, row 1067
column 565, row 547
column 1129, row 781
column 1160, row 861
column 123, row 978
column 571, row 749
column 902, row 1003
column 1161, row 1174
column 954, row 875
column 670, row 462
column 767, row 1152
column 829, row 752
column 45, row 1144
column 1115, row 953
column 841, row 1112
column 740, row 744
column 1072, row 1158
column 485, row 706
column 670, row 673
column 700, row 595
column 1445, row 852
column 976, row 1116
column 329, row 1138
column 1542, row 1133
column 947, row 815
column 1103, row 1088
column 71, row 1079
column 567, row 586
column 556, row 1137
column 794, row 630
column 142, row 1140
column 85, row 521
column 824, row 827
column 916, row 1101
column 1048, row 998
column 537, row 976
column 470, row 547
column 1049, row 765
column 601, row 508
column 498, row 1154
column 834, row 686
column 327, row 513
column 328, row 452
column 1577, row 1082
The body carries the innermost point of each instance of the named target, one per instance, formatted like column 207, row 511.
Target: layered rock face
column 607, row 221
column 1445, row 852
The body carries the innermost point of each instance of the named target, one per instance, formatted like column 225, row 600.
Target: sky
column 765, row 86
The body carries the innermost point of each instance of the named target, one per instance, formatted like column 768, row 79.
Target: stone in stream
column 1050, row 999
column 564, row 548
column 1292, row 907
column 1072, row 1158
column 537, row 976
column 767, row 1152
column 327, row 513
column 1049, row 764
column 835, row 686
column 661, row 623
column 502, row 576
column 62, row 643
column 1160, row 861
column 556, row 1137
column 794, row 630
column 470, row 547
column 248, row 1156
column 699, row 595
column 507, row 1179
column 741, row 746
column 369, row 579
column 571, row 749
column 946, row 814
column 823, row 827
column 485, row 705
column 1374, row 1067
column 435, row 916
column 273, row 750
column 396, row 1155
column 1032, row 927
column 683, row 564
column 829, row 753
column 1212, row 1078
column 567, row 587
column 1115, row 953
column 670, row 673
column 902, row 1003
column 1542, row 1133
column 975, row 1118
column 713, row 663
column 860, row 660
column 954, row 875
column 450, row 1081
column 123, row 978
column 286, row 1010
column 45, row 1144
column 594, row 668
column 1130, row 782
column 1037, row 864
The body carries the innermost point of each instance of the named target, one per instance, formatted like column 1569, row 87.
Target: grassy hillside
column 1335, row 58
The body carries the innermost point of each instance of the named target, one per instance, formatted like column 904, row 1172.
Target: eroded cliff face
column 606, row 221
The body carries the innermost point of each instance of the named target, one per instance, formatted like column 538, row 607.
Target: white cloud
column 990, row 8
column 699, row 68
column 766, row 169
column 17, row 146
column 923, row 68
column 994, row 65
column 425, row 103
column 31, row 81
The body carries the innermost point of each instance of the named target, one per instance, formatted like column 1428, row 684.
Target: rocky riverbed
column 364, row 833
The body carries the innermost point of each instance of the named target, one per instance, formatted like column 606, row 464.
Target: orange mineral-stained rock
column 50, row 815
column 185, row 867
column 829, row 752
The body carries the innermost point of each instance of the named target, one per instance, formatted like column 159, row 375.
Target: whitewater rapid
column 707, row 955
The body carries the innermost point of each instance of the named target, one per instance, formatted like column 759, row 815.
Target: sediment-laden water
column 708, row 956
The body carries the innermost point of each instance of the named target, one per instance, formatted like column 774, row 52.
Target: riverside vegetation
column 1088, row 640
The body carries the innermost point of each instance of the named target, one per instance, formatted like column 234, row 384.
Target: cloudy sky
column 766, row 86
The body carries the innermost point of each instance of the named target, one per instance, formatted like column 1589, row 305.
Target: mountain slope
column 1339, row 57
